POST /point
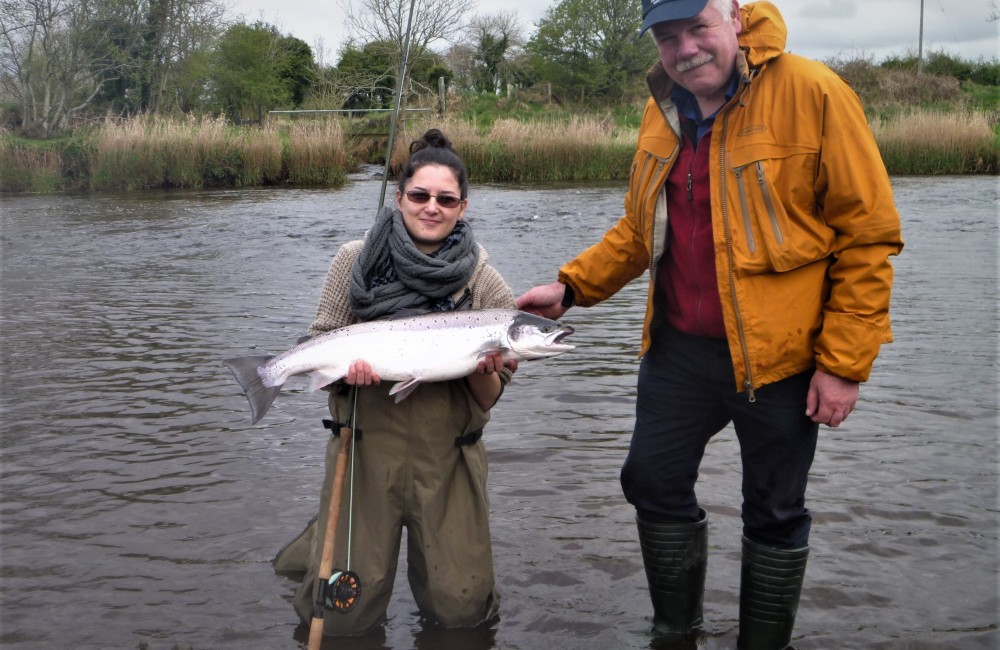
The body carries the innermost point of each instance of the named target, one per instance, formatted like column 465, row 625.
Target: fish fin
column 402, row 389
column 318, row 379
column 260, row 396
column 485, row 352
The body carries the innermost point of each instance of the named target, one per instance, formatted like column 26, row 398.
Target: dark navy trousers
column 687, row 394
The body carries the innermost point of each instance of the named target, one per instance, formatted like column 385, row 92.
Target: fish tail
column 260, row 396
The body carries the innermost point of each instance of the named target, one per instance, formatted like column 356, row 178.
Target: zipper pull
column 690, row 184
column 760, row 173
column 750, row 394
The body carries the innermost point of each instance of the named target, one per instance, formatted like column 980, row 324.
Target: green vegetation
column 136, row 94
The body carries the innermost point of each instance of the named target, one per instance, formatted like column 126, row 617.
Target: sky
column 819, row 29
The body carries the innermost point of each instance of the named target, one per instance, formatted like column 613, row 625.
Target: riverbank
column 149, row 152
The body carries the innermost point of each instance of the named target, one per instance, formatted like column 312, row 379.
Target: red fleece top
column 686, row 274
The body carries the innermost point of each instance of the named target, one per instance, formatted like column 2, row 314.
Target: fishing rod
column 394, row 121
column 340, row 590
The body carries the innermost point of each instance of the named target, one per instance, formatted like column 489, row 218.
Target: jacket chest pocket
column 776, row 224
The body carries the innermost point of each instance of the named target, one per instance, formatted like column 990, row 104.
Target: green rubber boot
column 676, row 557
column 770, row 584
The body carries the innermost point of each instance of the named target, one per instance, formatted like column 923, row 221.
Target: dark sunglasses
column 444, row 200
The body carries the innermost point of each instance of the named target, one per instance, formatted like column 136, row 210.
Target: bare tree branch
column 386, row 20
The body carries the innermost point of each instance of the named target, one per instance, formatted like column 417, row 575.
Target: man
column 768, row 294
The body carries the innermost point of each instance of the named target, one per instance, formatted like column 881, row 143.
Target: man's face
column 699, row 53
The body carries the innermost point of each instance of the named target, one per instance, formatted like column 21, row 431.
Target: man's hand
column 830, row 399
column 545, row 300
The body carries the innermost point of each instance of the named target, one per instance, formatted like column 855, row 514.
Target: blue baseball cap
column 658, row 11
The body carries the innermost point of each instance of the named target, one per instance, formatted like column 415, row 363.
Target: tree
column 591, row 47
column 386, row 21
column 366, row 75
column 173, row 35
column 255, row 69
column 296, row 67
column 64, row 60
column 53, row 59
column 497, row 43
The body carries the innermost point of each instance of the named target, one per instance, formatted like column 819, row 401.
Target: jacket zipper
column 768, row 204
column 751, row 244
column 748, row 382
column 652, row 227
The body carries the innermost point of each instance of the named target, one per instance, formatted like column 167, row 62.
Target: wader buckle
column 470, row 438
column 334, row 427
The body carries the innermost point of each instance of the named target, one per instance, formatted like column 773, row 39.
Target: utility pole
column 920, row 43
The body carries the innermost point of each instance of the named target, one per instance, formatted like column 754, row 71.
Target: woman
column 419, row 464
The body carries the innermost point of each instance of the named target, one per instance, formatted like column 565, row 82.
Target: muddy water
column 140, row 509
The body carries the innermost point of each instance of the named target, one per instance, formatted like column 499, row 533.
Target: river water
column 140, row 509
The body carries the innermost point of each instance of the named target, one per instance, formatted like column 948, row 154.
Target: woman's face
column 429, row 223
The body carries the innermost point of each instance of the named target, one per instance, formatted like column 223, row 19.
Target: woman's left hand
column 360, row 373
column 494, row 362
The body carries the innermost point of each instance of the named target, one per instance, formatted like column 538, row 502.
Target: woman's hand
column 485, row 383
column 494, row 362
column 361, row 374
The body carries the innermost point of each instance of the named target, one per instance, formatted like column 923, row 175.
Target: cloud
column 881, row 28
column 819, row 29
column 826, row 10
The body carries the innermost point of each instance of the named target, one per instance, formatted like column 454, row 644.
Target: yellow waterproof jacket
column 802, row 214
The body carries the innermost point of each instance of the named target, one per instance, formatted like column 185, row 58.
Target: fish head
column 533, row 337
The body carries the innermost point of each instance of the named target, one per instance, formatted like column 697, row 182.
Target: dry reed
column 148, row 152
column 932, row 142
column 24, row 169
column 583, row 148
column 317, row 153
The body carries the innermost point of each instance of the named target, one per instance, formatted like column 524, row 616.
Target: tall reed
column 29, row 169
column 262, row 156
column 149, row 151
column 152, row 152
column 316, row 153
column 931, row 142
column 582, row 148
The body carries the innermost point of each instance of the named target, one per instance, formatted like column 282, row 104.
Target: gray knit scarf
column 390, row 274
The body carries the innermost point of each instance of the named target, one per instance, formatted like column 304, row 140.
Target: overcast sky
column 819, row 29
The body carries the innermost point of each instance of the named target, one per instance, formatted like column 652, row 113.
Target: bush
column 895, row 85
column 945, row 65
column 10, row 117
column 986, row 73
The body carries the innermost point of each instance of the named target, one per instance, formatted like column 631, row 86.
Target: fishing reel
column 342, row 590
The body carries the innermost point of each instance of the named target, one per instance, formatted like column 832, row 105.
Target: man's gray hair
column 724, row 7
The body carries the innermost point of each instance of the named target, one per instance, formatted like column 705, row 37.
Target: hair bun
column 432, row 138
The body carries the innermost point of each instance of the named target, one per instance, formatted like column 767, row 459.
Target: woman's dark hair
column 434, row 148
